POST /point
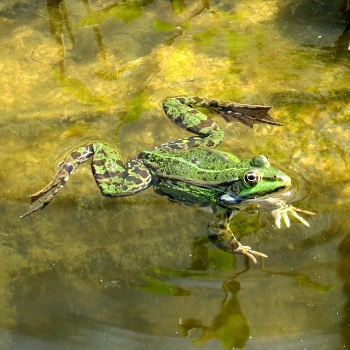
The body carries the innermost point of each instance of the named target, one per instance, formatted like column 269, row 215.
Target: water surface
column 92, row 272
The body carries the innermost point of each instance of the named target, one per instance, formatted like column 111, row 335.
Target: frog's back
column 195, row 163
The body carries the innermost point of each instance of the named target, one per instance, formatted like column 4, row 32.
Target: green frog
column 191, row 170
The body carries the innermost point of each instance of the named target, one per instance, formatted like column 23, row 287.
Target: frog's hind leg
column 111, row 176
column 42, row 198
column 115, row 179
column 180, row 111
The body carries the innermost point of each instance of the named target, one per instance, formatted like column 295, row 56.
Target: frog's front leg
column 221, row 235
column 281, row 211
column 112, row 177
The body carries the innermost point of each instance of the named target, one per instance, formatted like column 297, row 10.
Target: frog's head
column 256, row 178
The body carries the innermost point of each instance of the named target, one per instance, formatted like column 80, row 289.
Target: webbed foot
column 283, row 212
column 245, row 114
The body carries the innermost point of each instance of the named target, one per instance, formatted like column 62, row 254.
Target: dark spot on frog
column 68, row 168
column 143, row 173
column 210, row 144
column 198, row 99
column 135, row 180
column 99, row 162
column 76, row 155
column 179, row 119
column 106, row 175
column 194, row 160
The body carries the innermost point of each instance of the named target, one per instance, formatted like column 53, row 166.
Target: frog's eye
column 251, row 178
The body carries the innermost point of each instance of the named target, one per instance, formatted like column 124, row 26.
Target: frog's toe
column 247, row 251
column 286, row 219
column 276, row 215
column 300, row 218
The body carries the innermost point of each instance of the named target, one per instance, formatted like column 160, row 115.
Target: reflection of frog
column 230, row 326
column 188, row 170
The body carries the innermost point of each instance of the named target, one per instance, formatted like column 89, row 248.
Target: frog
column 190, row 170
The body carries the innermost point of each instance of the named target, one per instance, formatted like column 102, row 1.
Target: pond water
column 91, row 272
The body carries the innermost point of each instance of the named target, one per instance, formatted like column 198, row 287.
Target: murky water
column 91, row 272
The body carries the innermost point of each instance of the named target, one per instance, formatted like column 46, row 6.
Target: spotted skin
column 189, row 170
column 115, row 179
column 42, row 198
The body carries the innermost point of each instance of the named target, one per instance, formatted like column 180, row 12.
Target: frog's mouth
column 231, row 198
column 284, row 180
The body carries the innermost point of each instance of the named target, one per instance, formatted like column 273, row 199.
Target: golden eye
column 251, row 178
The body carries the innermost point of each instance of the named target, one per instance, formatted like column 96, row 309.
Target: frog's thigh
column 115, row 179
